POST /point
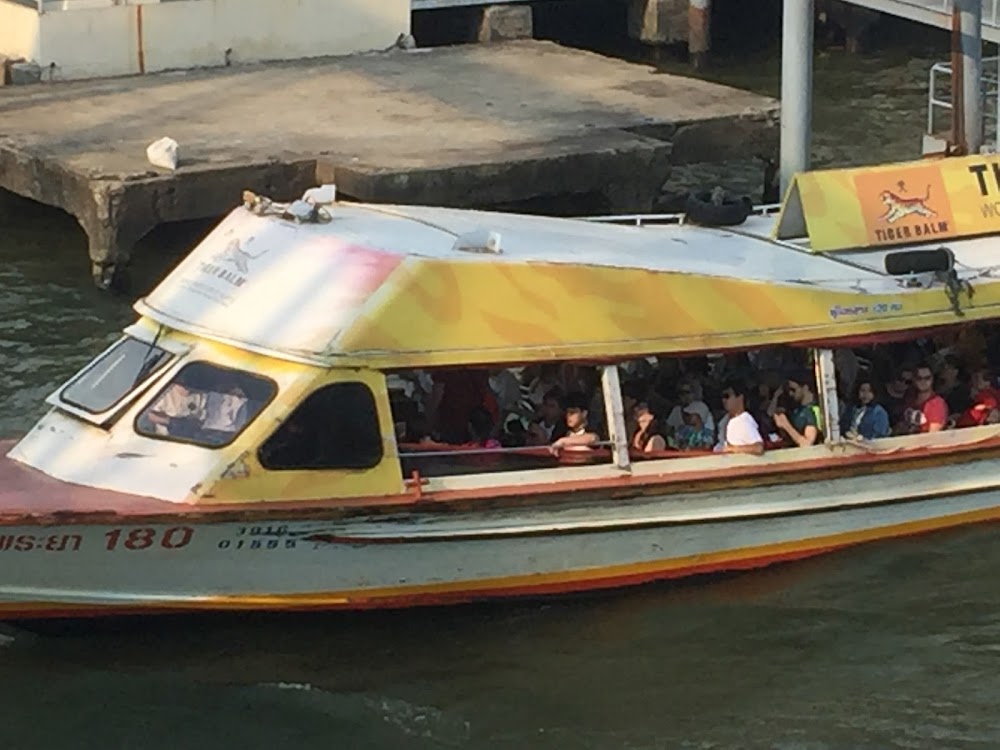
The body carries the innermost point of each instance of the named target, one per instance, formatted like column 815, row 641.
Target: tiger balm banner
column 893, row 204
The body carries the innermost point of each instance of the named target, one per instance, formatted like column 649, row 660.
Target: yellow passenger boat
column 169, row 473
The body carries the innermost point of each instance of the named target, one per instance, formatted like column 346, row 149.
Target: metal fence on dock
column 939, row 91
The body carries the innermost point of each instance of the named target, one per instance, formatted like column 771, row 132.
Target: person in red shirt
column 985, row 401
column 929, row 412
column 455, row 395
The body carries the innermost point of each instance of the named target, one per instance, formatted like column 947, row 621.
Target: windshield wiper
column 148, row 361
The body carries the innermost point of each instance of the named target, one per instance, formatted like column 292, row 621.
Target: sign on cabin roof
column 893, row 204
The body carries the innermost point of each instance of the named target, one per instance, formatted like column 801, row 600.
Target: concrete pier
column 469, row 126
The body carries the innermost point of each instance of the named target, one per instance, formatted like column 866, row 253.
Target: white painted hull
column 432, row 558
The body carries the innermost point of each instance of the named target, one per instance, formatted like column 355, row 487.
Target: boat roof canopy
column 399, row 286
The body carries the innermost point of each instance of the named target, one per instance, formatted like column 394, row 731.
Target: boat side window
column 336, row 427
column 206, row 404
column 113, row 375
column 478, row 420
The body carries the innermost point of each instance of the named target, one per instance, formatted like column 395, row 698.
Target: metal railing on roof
column 641, row 220
column 939, row 105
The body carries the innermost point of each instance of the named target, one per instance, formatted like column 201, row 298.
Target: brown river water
column 888, row 645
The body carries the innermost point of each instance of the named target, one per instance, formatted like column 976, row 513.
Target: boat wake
column 413, row 721
column 422, row 721
column 9, row 635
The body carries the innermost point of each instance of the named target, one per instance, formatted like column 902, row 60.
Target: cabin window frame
column 176, row 351
column 366, row 465
column 251, row 418
column 617, row 443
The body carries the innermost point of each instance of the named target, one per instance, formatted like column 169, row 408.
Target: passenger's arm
column 801, row 439
column 754, row 449
column 655, row 443
column 587, row 439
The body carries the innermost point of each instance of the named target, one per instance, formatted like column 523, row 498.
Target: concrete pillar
column 971, row 25
column 658, row 21
column 114, row 220
column 498, row 23
column 699, row 31
column 796, row 88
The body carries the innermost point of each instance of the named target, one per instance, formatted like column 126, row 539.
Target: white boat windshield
column 104, row 382
column 206, row 405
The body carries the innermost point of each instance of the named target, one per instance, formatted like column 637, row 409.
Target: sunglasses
column 728, row 395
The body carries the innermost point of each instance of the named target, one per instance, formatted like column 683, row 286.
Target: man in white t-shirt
column 738, row 430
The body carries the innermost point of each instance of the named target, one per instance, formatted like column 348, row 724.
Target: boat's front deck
column 27, row 491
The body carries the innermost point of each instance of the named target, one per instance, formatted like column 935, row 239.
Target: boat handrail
column 411, row 450
column 641, row 220
column 438, row 449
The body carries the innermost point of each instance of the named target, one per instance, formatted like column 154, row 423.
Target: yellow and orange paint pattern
column 892, row 204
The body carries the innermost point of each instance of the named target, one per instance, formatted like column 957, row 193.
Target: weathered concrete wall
column 18, row 31
column 129, row 39
column 89, row 43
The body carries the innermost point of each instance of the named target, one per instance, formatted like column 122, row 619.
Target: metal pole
column 957, row 136
column 796, row 88
column 971, row 23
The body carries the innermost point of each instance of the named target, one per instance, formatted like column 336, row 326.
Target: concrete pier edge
column 475, row 126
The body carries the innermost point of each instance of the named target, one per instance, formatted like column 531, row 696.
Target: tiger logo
column 899, row 207
column 235, row 255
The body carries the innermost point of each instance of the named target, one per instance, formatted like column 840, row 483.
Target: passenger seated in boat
column 985, row 408
column 515, row 433
column 899, row 395
column 949, row 384
column 647, row 437
column 507, row 390
column 689, row 392
column 929, row 412
column 180, row 410
column 479, row 434
column 866, row 419
column 738, row 430
column 694, row 435
column 633, row 394
column 805, row 426
column 551, row 425
column 546, row 380
column 579, row 436
column 589, row 380
column 455, row 395
column 767, row 384
column 481, row 429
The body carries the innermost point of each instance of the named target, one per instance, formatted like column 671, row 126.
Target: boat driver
column 180, row 410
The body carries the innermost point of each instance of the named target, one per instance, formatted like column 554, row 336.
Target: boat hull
column 409, row 560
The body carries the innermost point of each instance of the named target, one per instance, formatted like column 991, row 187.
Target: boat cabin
column 367, row 354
